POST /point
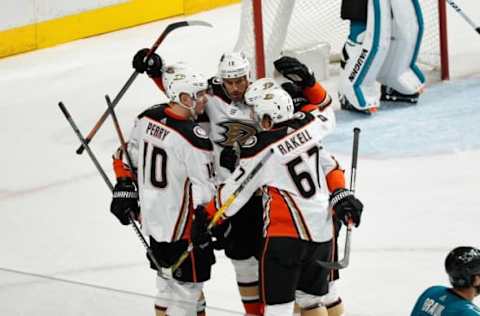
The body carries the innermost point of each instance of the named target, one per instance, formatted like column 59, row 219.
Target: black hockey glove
column 153, row 66
column 228, row 158
column 346, row 206
column 200, row 236
column 295, row 71
column 221, row 232
column 297, row 95
column 125, row 200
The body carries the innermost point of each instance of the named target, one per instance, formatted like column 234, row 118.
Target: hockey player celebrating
column 313, row 98
column 463, row 268
column 230, row 125
column 296, row 180
column 173, row 156
column 383, row 46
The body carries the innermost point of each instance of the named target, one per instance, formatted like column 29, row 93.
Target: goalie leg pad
column 400, row 71
column 358, row 78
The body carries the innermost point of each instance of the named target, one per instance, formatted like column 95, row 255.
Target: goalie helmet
column 462, row 264
column 234, row 65
column 275, row 104
column 258, row 88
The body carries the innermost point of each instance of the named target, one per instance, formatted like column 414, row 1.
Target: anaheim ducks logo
column 235, row 132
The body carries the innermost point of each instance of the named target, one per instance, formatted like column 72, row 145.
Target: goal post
column 269, row 28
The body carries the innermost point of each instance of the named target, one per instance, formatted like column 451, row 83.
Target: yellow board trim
column 194, row 6
column 98, row 21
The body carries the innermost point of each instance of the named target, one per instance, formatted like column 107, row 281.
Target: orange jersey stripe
column 279, row 219
column 121, row 171
column 335, row 180
column 315, row 94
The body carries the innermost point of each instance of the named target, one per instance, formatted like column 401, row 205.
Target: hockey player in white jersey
column 230, row 125
column 296, row 181
column 383, row 45
column 173, row 159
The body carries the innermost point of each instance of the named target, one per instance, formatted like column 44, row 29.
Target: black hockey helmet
column 462, row 264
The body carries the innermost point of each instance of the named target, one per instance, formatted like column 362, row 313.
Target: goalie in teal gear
column 382, row 48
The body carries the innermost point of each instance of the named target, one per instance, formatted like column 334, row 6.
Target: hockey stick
column 107, row 180
column 129, row 159
column 343, row 263
column 84, row 143
column 460, row 11
column 228, row 202
column 134, row 75
column 123, row 143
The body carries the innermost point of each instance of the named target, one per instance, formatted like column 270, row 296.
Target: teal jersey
column 443, row 301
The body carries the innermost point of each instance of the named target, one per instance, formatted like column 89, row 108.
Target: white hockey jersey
column 296, row 195
column 174, row 164
column 230, row 122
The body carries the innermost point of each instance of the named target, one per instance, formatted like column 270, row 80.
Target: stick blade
column 200, row 23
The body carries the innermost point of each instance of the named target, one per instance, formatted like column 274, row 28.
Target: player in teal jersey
column 463, row 268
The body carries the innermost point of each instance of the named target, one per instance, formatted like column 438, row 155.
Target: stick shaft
column 134, row 75
column 82, row 140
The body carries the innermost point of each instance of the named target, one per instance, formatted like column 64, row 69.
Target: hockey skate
column 392, row 95
column 347, row 106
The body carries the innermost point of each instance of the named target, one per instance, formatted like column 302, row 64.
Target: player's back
column 173, row 155
column 298, row 196
column 443, row 301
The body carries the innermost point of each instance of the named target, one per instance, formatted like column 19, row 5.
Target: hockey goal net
column 300, row 25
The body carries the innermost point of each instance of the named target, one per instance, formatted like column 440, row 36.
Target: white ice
column 63, row 253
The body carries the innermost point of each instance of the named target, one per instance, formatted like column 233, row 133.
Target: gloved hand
column 346, row 206
column 228, row 158
column 221, row 232
column 153, row 66
column 295, row 71
column 125, row 200
column 200, row 236
column 297, row 95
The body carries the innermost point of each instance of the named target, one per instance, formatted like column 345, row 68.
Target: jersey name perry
column 156, row 131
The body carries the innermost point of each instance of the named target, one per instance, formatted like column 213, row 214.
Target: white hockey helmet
column 257, row 89
column 185, row 81
column 170, row 71
column 275, row 104
column 234, row 65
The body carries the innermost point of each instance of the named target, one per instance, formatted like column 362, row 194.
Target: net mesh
column 310, row 23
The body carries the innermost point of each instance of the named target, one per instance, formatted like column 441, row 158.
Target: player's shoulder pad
column 155, row 110
column 262, row 140
column 189, row 130
column 257, row 143
column 193, row 133
column 215, row 87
